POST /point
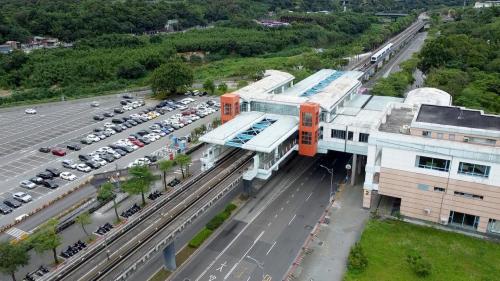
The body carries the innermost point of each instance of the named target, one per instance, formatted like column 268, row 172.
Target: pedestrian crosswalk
column 16, row 232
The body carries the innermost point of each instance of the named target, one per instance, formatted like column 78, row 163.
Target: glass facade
column 363, row 137
column 338, row 134
column 474, row 169
column 463, row 220
column 280, row 109
column 433, row 163
column 307, row 119
column 306, row 137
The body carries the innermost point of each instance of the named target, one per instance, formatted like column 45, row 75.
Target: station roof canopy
column 272, row 80
column 255, row 131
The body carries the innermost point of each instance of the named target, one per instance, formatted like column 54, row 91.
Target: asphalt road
column 261, row 242
column 41, row 195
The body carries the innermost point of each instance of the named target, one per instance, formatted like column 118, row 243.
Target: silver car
column 27, row 184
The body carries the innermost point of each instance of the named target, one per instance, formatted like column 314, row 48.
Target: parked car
column 50, row 184
column 93, row 164
column 83, row 168
column 69, row 164
column 59, row 151
column 45, row 175
column 108, row 114
column 30, row 111
column 4, row 209
column 86, row 141
column 36, row 180
column 94, row 104
column 73, row 146
column 22, row 197
column 27, row 184
column 12, row 203
column 53, row 171
column 98, row 118
column 44, row 149
column 118, row 110
column 117, row 121
column 68, row 176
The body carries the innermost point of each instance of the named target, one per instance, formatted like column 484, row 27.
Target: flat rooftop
column 458, row 117
column 396, row 120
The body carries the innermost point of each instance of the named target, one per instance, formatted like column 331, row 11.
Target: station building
column 439, row 162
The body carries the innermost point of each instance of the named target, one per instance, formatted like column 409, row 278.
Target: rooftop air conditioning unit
column 405, row 129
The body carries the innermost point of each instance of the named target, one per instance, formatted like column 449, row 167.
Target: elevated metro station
column 406, row 148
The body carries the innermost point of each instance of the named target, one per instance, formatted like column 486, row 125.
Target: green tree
column 222, row 87
column 357, row 259
column 165, row 166
column 183, row 160
column 84, row 219
column 171, row 77
column 46, row 238
column 140, row 181
column 12, row 256
column 131, row 70
column 209, row 86
column 106, row 193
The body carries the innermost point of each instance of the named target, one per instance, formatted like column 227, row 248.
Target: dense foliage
column 464, row 60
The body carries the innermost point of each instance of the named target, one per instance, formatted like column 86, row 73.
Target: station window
column 427, row 134
column 350, row 135
column 363, row 137
column 423, row 187
column 433, row 163
column 474, row 170
column 338, row 134
column 227, row 109
column 236, row 108
column 463, row 220
column 306, row 138
column 439, row 189
column 494, row 226
column 468, row 195
column 307, row 119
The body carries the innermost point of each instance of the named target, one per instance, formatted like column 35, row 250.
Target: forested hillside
column 464, row 59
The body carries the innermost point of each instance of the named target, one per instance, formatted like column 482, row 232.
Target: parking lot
column 56, row 125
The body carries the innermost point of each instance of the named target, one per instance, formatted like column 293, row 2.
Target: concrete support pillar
column 169, row 257
column 367, row 198
column 353, row 168
column 483, row 224
column 247, row 187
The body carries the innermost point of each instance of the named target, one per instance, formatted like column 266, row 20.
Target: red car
column 138, row 143
column 58, row 151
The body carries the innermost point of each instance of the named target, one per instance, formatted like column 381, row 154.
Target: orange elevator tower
column 308, row 128
column 229, row 107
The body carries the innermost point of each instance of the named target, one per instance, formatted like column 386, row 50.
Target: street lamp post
column 330, row 171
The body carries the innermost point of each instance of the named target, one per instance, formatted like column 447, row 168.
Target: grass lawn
column 453, row 256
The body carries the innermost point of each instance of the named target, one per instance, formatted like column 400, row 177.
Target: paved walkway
column 327, row 257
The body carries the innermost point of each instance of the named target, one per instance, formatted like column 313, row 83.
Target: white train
column 380, row 54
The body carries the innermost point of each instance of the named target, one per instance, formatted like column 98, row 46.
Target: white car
column 142, row 161
column 30, row 111
column 67, row 163
column 67, row 176
column 127, row 107
column 93, row 138
column 83, row 168
column 182, row 107
column 108, row 125
column 94, row 104
column 27, row 184
column 23, row 197
column 135, row 104
column 99, row 160
column 111, row 131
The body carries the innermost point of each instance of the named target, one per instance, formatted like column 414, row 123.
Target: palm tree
column 84, row 219
column 140, row 181
column 106, row 193
column 165, row 166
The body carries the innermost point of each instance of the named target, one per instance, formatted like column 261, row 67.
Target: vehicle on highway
column 53, row 171
column 108, row 114
column 30, row 111
column 27, row 184
column 4, row 209
column 22, row 197
column 83, row 168
column 67, row 176
column 94, row 104
column 98, row 117
column 45, row 175
column 12, row 203
column 44, row 149
column 73, row 146
column 36, row 180
column 67, row 163
column 50, row 184
column 59, row 151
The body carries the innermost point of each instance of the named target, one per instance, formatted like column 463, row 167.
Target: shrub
column 357, row 260
column 200, row 237
column 420, row 266
column 217, row 221
column 229, row 208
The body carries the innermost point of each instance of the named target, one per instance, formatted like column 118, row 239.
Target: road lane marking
column 244, row 255
column 309, row 196
column 292, row 219
column 272, row 246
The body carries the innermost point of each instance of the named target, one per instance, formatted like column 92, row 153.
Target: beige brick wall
column 414, row 202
